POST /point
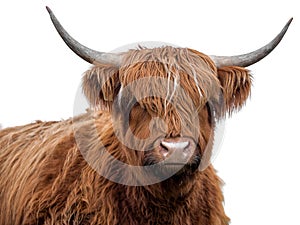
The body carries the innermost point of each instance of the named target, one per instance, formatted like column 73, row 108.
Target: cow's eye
column 139, row 121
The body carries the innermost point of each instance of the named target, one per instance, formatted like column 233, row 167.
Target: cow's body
column 45, row 180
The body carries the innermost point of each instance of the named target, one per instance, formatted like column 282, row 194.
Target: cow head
column 165, row 101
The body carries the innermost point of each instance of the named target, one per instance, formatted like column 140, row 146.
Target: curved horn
column 252, row 57
column 82, row 51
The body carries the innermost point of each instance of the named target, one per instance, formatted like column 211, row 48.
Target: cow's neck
column 160, row 202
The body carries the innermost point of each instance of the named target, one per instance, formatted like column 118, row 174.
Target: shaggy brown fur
column 49, row 169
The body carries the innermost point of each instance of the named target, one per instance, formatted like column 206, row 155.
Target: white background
column 260, row 156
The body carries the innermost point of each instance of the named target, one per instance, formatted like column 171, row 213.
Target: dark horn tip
column 286, row 28
column 290, row 21
column 49, row 10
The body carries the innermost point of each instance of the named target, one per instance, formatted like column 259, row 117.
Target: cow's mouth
column 167, row 169
column 180, row 167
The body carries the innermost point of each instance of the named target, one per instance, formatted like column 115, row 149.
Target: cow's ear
column 236, row 85
column 100, row 85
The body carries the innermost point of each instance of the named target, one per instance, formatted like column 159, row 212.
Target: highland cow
column 140, row 154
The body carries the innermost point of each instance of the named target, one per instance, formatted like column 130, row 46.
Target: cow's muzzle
column 179, row 154
column 177, row 150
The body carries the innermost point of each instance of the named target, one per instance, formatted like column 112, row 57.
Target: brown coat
column 48, row 173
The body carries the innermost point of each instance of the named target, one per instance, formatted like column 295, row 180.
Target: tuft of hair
column 226, row 89
column 179, row 67
column 236, row 84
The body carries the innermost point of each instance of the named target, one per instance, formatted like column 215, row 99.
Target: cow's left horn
column 252, row 57
column 84, row 52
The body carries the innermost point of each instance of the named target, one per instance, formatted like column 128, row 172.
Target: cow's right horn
column 252, row 57
column 82, row 51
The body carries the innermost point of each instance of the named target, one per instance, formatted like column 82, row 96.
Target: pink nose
column 180, row 149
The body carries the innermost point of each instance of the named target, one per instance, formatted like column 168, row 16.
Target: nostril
column 164, row 151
